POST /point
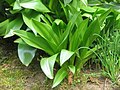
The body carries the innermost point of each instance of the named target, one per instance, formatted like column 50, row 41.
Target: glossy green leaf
column 47, row 65
column 46, row 20
column 34, row 4
column 26, row 53
column 84, row 2
column 45, row 31
column 20, row 41
column 58, row 27
column 72, row 68
column 87, row 15
column 3, row 26
column 72, row 11
column 67, row 2
column 34, row 41
column 69, row 28
column 89, row 9
column 28, row 15
column 16, row 24
column 64, row 56
column 76, row 4
column 17, row 5
column 61, row 74
column 10, row 1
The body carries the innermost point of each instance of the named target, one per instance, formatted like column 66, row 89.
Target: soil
column 15, row 76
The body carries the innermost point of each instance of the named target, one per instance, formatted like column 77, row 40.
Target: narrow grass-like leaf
column 47, row 65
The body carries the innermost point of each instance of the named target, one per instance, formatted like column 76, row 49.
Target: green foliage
column 63, row 55
column 64, row 29
column 61, row 74
column 26, row 53
column 109, row 52
column 47, row 65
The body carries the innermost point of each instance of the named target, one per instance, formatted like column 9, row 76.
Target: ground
column 15, row 76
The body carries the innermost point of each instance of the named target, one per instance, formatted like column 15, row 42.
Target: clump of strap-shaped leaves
column 63, row 42
column 66, row 42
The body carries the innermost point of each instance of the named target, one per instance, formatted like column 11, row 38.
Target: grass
column 110, row 56
column 11, row 79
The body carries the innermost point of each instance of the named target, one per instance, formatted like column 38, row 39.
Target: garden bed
column 15, row 76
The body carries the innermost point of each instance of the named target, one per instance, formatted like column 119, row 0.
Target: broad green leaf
column 47, row 65
column 10, row 1
column 69, row 28
column 94, row 2
column 76, row 4
column 89, row 9
column 58, row 27
column 58, row 21
column 72, row 68
column 87, row 15
column 26, row 53
column 67, row 2
column 45, row 19
column 16, row 24
column 3, row 26
column 45, row 31
column 20, row 41
column 34, row 4
column 84, row 2
column 72, row 11
column 34, row 41
column 28, row 15
column 17, row 5
column 64, row 56
column 118, row 17
column 61, row 74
